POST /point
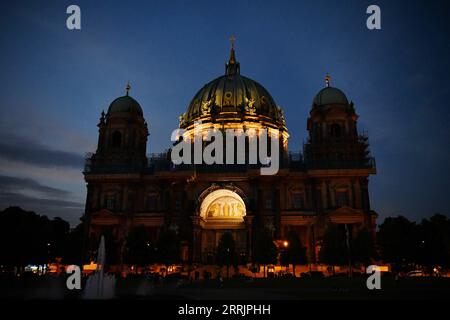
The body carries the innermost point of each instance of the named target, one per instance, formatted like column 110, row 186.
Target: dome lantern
column 233, row 65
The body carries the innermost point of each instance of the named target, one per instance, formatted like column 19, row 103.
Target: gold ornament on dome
column 206, row 106
column 228, row 101
column 263, row 100
column 249, row 106
column 182, row 119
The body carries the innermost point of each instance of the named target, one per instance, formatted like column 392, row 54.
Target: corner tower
column 334, row 141
column 122, row 141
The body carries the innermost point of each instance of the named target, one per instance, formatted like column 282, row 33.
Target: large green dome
column 231, row 93
column 125, row 104
column 233, row 97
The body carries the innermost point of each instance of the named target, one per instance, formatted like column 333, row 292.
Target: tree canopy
column 295, row 252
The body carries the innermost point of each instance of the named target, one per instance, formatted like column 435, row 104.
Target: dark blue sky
column 55, row 83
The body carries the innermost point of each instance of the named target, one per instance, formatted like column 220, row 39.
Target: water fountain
column 100, row 285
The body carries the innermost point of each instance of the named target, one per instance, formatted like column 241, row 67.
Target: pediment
column 346, row 211
column 105, row 217
column 103, row 213
column 346, row 215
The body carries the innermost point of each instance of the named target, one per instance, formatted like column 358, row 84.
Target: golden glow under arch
column 223, row 204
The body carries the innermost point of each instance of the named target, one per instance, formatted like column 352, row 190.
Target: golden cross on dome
column 232, row 40
column 128, row 87
column 327, row 80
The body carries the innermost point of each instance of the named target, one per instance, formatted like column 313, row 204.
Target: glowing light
column 90, row 267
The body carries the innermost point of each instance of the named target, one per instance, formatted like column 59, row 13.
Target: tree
column 28, row 238
column 363, row 247
column 168, row 248
column 333, row 250
column 434, row 241
column 139, row 249
column 295, row 253
column 226, row 252
column 59, row 230
column 73, row 253
column 398, row 240
column 264, row 249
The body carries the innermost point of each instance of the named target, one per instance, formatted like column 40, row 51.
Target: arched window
column 110, row 202
column 297, row 200
column 335, row 130
column 116, row 139
column 152, row 202
column 315, row 130
column 342, row 198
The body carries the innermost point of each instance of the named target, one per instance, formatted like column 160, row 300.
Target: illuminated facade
column 327, row 183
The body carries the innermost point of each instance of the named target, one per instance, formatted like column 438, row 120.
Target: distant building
column 327, row 183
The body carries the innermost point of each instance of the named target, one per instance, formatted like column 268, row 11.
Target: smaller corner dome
column 125, row 104
column 330, row 95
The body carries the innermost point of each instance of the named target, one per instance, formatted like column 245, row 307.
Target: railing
column 162, row 162
column 368, row 163
column 159, row 162
column 112, row 168
column 361, row 138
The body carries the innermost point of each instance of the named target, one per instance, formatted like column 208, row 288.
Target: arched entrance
column 222, row 210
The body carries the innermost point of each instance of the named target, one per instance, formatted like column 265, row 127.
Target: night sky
column 55, row 83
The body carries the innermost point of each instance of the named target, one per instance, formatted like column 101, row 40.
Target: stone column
column 124, row 199
column 330, row 196
column 366, row 201
column 353, row 196
column 365, row 195
column 316, row 197
column 358, row 195
column 324, row 194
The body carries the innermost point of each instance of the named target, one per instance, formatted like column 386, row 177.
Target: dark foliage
column 27, row 238
column 168, row 248
column 140, row 250
column 363, row 248
column 264, row 249
column 226, row 252
column 295, row 253
column 334, row 249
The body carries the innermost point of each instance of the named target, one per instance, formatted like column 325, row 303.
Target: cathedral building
column 325, row 184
